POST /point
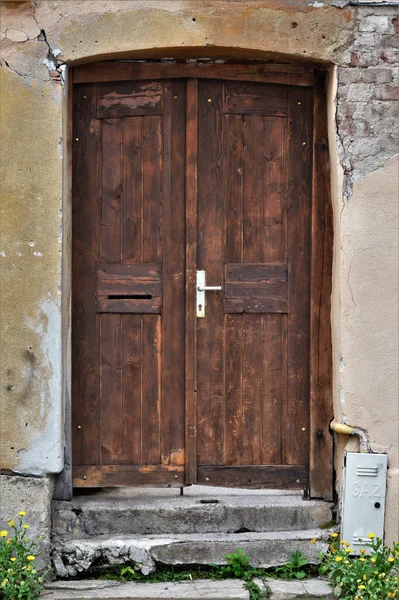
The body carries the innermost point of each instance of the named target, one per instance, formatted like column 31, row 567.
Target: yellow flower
column 391, row 559
column 334, row 535
column 338, row 559
column 347, row 562
column 26, row 526
column 4, row 582
column 347, row 544
column 362, row 559
column 9, row 541
column 382, row 575
column 29, row 568
column 3, row 533
column 313, row 540
column 364, row 577
column 30, row 557
column 13, row 559
column 373, row 559
column 11, row 523
column 342, row 542
column 362, row 551
column 22, row 513
column 362, row 587
column 347, row 550
column 371, row 536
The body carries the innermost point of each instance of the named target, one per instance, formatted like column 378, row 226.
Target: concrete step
column 228, row 589
column 133, row 511
column 93, row 554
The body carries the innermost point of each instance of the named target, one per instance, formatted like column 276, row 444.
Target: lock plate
column 200, row 294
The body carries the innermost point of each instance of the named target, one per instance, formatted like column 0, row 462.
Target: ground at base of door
column 201, row 589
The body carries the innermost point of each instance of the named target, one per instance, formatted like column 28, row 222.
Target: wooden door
column 128, row 278
column 174, row 175
column 253, row 239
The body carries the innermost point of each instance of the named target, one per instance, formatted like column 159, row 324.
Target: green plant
column 294, row 568
column 371, row 576
column 237, row 565
column 19, row 579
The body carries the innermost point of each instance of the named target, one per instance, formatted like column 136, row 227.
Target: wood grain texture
column 190, row 379
column 268, row 73
column 86, row 190
column 321, row 408
column 266, row 476
column 129, row 99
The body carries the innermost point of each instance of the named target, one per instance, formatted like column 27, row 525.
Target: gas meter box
column 363, row 509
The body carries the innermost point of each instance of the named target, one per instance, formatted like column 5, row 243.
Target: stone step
column 228, row 589
column 201, row 510
column 92, row 554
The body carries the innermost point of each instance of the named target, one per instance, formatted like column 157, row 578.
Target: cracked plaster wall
column 39, row 37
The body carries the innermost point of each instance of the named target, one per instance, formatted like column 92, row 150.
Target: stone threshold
column 200, row 589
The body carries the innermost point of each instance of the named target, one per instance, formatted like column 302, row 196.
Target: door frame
column 321, row 406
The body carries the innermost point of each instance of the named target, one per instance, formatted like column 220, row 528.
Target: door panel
column 253, row 238
column 245, row 188
column 128, row 274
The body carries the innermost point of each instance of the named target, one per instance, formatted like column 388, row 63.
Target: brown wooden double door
column 171, row 176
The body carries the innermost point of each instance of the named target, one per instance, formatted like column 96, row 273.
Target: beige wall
column 32, row 148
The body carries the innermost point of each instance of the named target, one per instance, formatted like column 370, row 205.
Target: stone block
column 33, row 495
column 290, row 590
column 387, row 92
column 361, row 92
column 376, row 75
column 379, row 23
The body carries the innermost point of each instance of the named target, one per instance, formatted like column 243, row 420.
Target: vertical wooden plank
column 111, row 221
column 173, row 209
column 296, row 417
column 274, row 326
column 152, row 189
column 151, row 393
column 234, row 177
column 190, row 291
column 210, row 254
column 132, row 198
column 131, row 389
column 86, row 186
column 110, row 325
column 111, row 390
column 253, row 251
column 321, row 409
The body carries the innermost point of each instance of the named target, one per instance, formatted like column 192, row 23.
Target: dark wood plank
column 256, row 105
column 107, row 287
column 274, row 385
column 255, row 305
column 274, row 288
column 233, row 149
column 173, row 210
column 111, row 390
column 86, row 186
column 144, row 306
column 275, row 204
column 122, row 71
column 233, row 438
column 259, row 476
column 268, row 92
column 111, row 191
column 210, row 253
column 152, row 189
column 190, row 288
column 131, row 390
column 321, row 408
column 128, row 99
column 128, row 475
column 132, row 199
column 253, row 272
column 139, row 272
column 252, row 390
column 296, row 413
column 151, row 389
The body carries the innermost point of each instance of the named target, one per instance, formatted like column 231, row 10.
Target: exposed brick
column 375, row 23
column 349, row 76
column 395, row 23
column 376, row 75
column 390, row 41
column 361, row 92
column 389, row 56
column 367, row 58
column 387, row 92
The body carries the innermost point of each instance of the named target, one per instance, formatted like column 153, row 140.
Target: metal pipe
column 349, row 430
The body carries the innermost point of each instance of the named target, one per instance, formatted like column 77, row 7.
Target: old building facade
column 354, row 44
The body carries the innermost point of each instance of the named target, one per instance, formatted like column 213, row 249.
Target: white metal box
column 363, row 509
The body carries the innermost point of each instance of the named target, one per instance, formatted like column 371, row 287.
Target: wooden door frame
column 321, row 407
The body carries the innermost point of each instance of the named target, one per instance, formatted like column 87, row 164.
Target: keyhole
column 200, row 307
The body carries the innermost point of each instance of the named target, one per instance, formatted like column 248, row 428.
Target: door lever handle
column 201, row 289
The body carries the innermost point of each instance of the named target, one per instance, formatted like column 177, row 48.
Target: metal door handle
column 201, row 289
